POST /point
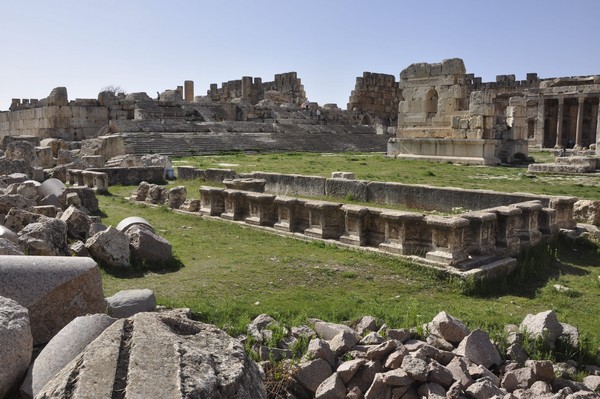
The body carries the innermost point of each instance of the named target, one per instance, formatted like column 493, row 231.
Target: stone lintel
column 446, row 222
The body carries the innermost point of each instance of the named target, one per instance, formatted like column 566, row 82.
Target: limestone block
column 175, row 197
column 168, row 356
column 543, row 324
column 364, row 377
column 453, row 66
column 312, row 373
column 448, row 327
column 78, row 223
column 47, row 237
column 129, row 302
column 476, row 122
column 478, row 348
column 415, row 367
column 54, row 289
column 62, row 348
column 16, row 343
column 110, row 247
column 320, row 349
column 332, row 388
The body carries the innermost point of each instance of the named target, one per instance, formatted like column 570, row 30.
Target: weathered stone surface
column 175, row 197
column 371, row 338
column 448, row 327
column 332, row 388
column 569, row 334
column 8, row 234
column 459, row 369
column 18, row 218
column 543, row 324
column 432, row 390
column 378, row 388
column 327, row 330
column 478, row 347
column 346, row 370
column 141, row 192
column 587, row 211
column 62, row 348
column 399, row 334
column 382, row 350
column 319, row 349
column 129, row 302
column 258, row 327
column 7, row 247
column 54, row 289
column 363, row 378
column 47, row 237
column 440, row 374
column 542, row 369
column 416, row 368
column 16, row 343
column 397, row 377
column 592, row 382
column 156, row 194
column 78, row 223
column 166, row 356
column 484, row 390
column 312, row 373
column 365, row 323
column 146, row 245
column 110, row 247
column 9, row 201
column 78, row 249
column 520, row 378
column 394, row 360
column 343, row 342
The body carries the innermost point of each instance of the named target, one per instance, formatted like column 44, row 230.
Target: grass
column 231, row 273
column 375, row 166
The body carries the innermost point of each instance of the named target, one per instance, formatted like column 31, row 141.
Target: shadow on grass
column 140, row 268
column 536, row 266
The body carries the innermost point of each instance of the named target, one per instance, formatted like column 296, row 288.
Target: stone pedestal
column 564, row 211
column 254, row 185
column 261, row 209
column 326, row 219
column 355, row 225
column 507, row 240
column 547, row 221
column 404, row 233
column 236, row 205
column 212, row 201
column 292, row 215
column 527, row 224
column 480, row 234
column 447, row 239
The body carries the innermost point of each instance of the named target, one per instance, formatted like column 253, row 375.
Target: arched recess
column 530, row 128
column 431, row 102
column 366, row 120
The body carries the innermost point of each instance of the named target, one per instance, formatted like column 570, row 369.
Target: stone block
column 127, row 303
column 63, row 348
column 54, row 289
column 16, row 343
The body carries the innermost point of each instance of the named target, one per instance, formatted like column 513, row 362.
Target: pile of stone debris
column 370, row 361
column 50, row 219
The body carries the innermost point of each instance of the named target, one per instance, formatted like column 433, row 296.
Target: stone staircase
column 214, row 138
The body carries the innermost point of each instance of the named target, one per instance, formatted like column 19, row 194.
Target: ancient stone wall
column 376, row 97
column 71, row 122
column 286, row 88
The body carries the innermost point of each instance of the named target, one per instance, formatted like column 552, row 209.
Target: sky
column 150, row 45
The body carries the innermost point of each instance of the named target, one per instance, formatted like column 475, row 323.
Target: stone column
column 188, row 86
column 580, row 101
column 559, row 122
column 598, row 129
column 247, row 87
column 541, row 121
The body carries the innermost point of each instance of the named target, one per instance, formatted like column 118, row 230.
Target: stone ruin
column 436, row 111
column 449, row 115
column 482, row 239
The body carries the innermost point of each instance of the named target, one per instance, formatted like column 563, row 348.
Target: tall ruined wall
column 68, row 122
column 286, row 88
column 433, row 94
column 376, row 96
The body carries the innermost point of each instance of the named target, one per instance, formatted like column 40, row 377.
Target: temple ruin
column 447, row 114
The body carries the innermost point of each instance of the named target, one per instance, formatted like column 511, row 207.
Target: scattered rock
column 16, row 343
column 129, row 302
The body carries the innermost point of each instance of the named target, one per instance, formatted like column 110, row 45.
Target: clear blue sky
column 155, row 45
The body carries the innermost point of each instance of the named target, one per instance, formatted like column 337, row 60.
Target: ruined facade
column 286, row 88
column 375, row 97
column 448, row 114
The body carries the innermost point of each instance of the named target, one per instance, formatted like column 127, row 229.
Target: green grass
column 231, row 273
column 375, row 166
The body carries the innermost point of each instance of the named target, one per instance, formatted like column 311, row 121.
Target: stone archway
column 431, row 103
column 366, row 119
